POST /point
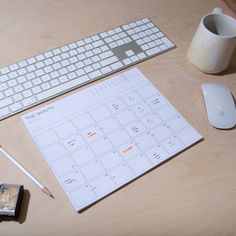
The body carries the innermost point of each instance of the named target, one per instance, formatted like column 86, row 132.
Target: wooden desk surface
column 192, row 194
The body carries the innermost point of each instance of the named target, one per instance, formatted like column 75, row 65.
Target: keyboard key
column 71, row 75
column 4, row 70
column 46, row 78
column 38, row 65
column 88, row 47
column 95, row 58
column 89, row 54
column 27, row 93
column 80, row 72
column 160, row 34
column 127, row 61
column 153, row 51
column 163, row 47
column 158, row 42
column 40, row 57
column 129, row 53
column 9, row 92
column 134, row 58
column 140, row 42
column 88, row 40
column 118, row 30
column 88, row 69
column 87, row 61
column 108, row 61
column 122, row 34
column 134, row 36
column 151, row 44
column 71, row 68
column 56, row 51
column 127, row 40
column 113, row 45
column 83, row 79
column 95, row 37
column 167, row 42
column 29, row 101
column 106, row 70
column 98, row 43
column 145, row 20
column 4, row 112
column 12, row 83
column 36, row 89
column 130, row 32
column 45, row 86
column 108, row 40
column 132, row 25
column 3, row 78
column 150, row 25
column 97, row 50
column 104, row 35
column 63, row 79
column 48, row 54
column 155, row 30
column 111, row 32
column 22, row 64
column 54, row 82
column 106, row 55
column 126, row 27
column 48, row 69
column 13, row 67
column 12, row 75
column 141, row 55
column 145, row 47
column 104, row 48
column 31, row 68
column 95, row 74
column 16, row 107
column 17, row 97
column 96, row 66
column 120, row 42
column 79, row 65
column 116, row 65
column 80, row 43
column 5, row 102
column 19, row 88
column 65, row 48
column 31, row 60
column 72, row 45
column 143, row 27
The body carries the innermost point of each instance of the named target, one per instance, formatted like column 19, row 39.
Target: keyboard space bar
column 62, row 88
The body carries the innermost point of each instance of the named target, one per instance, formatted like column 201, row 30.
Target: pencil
column 27, row 173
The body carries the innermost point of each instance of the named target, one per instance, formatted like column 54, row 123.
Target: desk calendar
column 104, row 136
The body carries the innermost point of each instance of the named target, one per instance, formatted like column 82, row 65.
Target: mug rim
column 221, row 14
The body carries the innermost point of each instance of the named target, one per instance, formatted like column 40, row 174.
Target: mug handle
column 217, row 10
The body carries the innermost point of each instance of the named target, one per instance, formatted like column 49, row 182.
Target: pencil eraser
column 10, row 199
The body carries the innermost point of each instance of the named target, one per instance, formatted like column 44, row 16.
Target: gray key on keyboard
column 120, row 51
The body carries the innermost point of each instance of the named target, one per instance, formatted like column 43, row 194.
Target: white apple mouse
column 220, row 105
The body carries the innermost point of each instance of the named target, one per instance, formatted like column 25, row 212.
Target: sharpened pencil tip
column 46, row 191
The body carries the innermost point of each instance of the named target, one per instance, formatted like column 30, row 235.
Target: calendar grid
column 112, row 140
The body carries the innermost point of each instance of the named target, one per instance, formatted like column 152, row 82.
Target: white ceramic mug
column 213, row 43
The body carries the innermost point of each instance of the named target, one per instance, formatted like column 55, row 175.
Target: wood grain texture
column 192, row 194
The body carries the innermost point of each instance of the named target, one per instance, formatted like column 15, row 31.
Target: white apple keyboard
column 47, row 75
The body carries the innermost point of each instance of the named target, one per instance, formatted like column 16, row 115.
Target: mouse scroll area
column 220, row 105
